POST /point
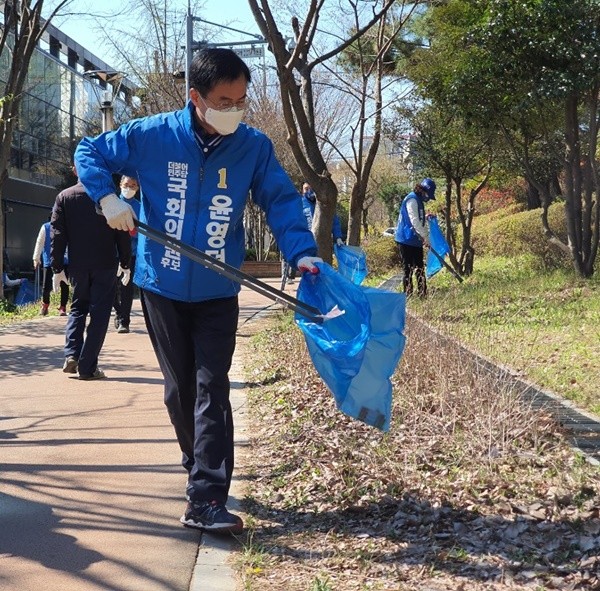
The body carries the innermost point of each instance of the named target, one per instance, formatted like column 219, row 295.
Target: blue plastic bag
column 439, row 244
column 352, row 262
column 26, row 293
column 356, row 353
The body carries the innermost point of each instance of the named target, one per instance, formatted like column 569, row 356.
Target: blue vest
column 405, row 233
column 308, row 207
column 46, row 251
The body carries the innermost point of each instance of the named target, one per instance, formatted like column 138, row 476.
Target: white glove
column 339, row 242
column 56, row 280
column 308, row 264
column 119, row 215
column 126, row 275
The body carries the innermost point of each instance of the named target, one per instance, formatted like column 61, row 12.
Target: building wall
column 25, row 209
column 60, row 105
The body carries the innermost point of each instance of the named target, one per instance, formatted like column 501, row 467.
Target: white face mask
column 128, row 193
column 224, row 122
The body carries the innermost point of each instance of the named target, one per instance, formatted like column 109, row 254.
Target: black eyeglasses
column 227, row 105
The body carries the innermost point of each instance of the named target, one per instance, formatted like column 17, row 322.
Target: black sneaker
column 123, row 329
column 117, row 323
column 70, row 365
column 211, row 516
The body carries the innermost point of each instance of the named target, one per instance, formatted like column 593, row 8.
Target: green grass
column 9, row 313
column 543, row 324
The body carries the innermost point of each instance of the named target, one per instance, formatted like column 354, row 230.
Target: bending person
column 195, row 168
column 412, row 233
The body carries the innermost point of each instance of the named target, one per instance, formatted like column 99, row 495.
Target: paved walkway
column 91, row 489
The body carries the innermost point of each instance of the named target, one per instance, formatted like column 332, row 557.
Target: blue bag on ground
column 439, row 244
column 26, row 293
column 352, row 262
column 356, row 353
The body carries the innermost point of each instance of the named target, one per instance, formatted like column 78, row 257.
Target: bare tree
column 265, row 113
column 21, row 30
column 444, row 145
column 151, row 52
column 295, row 69
column 370, row 62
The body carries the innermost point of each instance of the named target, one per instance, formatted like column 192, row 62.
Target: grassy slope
column 545, row 325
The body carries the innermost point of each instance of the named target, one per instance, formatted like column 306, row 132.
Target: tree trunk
column 356, row 216
column 573, row 183
column 533, row 196
column 327, row 193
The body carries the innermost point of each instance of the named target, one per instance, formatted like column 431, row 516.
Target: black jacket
column 92, row 243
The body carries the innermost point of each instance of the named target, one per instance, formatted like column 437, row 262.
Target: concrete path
column 91, row 488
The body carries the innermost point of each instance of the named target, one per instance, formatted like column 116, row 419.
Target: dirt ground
column 469, row 490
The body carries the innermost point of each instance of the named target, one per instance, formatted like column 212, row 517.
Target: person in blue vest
column 196, row 168
column 412, row 234
column 10, row 287
column 309, row 202
column 124, row 293
column 41, row 258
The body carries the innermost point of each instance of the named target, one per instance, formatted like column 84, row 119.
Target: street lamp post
column 105, row 96
column 245, row 52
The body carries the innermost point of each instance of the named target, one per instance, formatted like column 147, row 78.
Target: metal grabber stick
column 446, row 265
column 231, row 272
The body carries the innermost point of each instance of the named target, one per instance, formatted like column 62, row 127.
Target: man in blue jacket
column 196, row 168
column 412, row 234
column 309, row 202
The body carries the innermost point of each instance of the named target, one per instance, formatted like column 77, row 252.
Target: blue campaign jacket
column 196, row 198
column 405, row 233
column 135, row 205
column 308, row 207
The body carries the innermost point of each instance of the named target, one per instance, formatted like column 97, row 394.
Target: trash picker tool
column 231, row 272
column 446, row 265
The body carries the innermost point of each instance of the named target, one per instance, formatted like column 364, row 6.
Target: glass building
column 61, row 104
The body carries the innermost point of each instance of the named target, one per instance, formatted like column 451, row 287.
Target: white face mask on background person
column 128, row 192
column 224, row 122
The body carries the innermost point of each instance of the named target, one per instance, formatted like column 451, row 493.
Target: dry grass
column 469, row 490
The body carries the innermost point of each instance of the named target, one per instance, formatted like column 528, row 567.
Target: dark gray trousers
column 194, row 344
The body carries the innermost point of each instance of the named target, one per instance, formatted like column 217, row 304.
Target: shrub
column 7, row 307
column 509, row 233
column 382, row 254
column 490, row 200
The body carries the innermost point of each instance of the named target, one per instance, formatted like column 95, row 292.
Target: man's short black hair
column 212, row 65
